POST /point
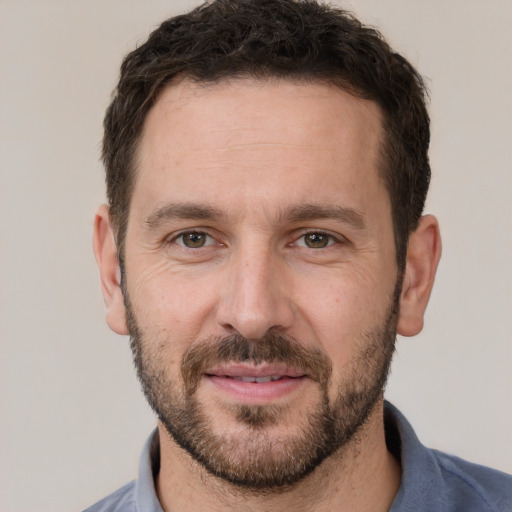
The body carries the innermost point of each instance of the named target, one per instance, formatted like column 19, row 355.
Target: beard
column 256, row 456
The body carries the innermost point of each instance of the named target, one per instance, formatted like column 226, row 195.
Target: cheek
column 341, row 310
column 169, row 322
column 174, row 305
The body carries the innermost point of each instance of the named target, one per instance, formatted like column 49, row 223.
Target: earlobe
column 106, row 256
column 423, row 254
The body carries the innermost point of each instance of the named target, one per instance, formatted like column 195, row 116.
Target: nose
column 255, row 295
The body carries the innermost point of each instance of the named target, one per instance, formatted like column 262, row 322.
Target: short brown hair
column 295, row 39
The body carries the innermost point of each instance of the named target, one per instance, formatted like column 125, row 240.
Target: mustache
column 271, row 348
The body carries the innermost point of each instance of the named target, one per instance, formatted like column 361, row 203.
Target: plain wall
column 72, row 418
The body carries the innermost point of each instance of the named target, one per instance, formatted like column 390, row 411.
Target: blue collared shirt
column 432, row 481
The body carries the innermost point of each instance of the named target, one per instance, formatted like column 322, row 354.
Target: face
column 259, row 274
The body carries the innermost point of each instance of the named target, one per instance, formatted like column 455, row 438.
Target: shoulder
column 122, row 500
column 434, row 480
column 472, row 484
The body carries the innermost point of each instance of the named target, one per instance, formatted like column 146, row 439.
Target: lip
column 264, row 370
column 228, row 380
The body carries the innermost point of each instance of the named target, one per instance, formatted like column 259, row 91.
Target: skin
column 257, row 152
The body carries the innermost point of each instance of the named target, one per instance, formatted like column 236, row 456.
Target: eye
column 194, row 239
column 315, row 240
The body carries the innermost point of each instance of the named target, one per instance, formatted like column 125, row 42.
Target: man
column 264, row 242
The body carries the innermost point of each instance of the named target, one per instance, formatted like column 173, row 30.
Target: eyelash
column 191, row 232
column 331, row 239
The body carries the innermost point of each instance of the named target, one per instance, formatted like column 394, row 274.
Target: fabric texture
column 432, row 481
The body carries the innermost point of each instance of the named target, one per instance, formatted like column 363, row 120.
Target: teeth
column 264, row 379
column 268, row 378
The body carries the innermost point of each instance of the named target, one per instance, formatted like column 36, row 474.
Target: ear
column 423, row 254
column 110, row 273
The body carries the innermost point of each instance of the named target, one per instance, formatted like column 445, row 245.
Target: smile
column 255, row 385
column 261, row 373
column 269, row 378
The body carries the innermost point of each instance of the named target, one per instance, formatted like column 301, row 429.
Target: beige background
column 72, row 419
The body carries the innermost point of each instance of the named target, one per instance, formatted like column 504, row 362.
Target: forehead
column 269, row 104
column 262, row 138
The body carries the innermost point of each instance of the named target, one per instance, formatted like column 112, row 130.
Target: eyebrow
column 299, row 213
column 182, row 211
column 314, row 211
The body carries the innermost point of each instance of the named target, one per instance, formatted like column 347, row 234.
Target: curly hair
column 300, row 40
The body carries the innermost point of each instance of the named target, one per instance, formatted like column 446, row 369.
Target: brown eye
column 193, row 240
column 317, row 240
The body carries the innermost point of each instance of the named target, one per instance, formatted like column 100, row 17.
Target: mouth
column 255, row 385
column 259, row 380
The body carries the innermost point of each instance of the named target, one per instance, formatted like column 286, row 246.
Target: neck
column 362, row 476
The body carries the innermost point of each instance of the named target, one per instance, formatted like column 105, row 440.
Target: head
column 295, row 40
column 266, row 172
